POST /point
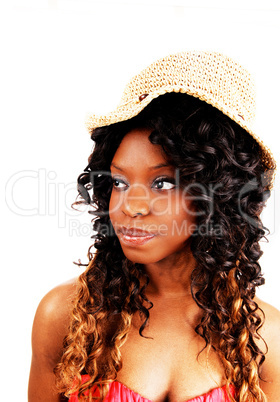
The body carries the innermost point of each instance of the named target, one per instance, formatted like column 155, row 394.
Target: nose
column 136, row 201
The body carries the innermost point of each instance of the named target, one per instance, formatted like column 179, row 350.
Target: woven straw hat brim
column 209, row 76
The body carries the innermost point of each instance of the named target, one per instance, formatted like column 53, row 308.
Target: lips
column 135, row 236
column 135, row 232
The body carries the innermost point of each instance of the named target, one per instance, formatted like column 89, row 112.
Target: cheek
column 161, row 205
column 114, row 205
column 111, row 205
column 182, row 220
column 173, row 206
column 170, row 204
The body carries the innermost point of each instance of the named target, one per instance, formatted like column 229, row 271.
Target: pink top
column 118, row 392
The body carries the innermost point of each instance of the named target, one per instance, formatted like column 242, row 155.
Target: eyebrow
column 161, row 165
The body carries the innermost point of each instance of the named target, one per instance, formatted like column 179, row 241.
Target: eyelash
column 156, row 181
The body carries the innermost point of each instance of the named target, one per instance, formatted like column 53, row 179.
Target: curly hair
column 211, row 152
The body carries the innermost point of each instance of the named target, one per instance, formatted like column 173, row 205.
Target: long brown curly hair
column 212, row 152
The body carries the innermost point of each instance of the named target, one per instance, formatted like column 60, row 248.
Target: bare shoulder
column 50, row 327
column 58, row 300
column 271, row 326
column 52, row 319
column 270, row 372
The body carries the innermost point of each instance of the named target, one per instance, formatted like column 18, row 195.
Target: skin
column 163, row 366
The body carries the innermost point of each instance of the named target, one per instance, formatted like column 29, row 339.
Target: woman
column 166, row 309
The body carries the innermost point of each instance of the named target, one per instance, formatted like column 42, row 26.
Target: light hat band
column 209, row 76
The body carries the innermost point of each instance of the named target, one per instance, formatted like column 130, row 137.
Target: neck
column 171, row 277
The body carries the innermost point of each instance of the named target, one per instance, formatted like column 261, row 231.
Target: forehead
column 136, row 148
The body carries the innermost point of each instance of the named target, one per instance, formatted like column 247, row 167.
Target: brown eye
column 164, row 184
column 118, row 183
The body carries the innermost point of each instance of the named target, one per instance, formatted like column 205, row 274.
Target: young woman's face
column 150, row 214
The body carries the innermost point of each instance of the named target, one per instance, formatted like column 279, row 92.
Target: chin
column 146, row 258
column 140, row 258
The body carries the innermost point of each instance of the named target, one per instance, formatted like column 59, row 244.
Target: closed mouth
column 136, row 232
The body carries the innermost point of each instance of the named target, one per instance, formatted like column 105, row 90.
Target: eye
column 164, row 183
column 118, row 183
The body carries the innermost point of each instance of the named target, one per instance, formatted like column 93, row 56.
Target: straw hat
column 209, row 76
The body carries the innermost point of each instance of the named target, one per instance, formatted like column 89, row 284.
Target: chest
column 165, row 365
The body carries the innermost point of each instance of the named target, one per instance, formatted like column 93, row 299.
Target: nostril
column 136, row 210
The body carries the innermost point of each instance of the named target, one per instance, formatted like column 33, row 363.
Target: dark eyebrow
column 161, row 165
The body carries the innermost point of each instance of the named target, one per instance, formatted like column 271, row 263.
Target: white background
column 61, row 59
